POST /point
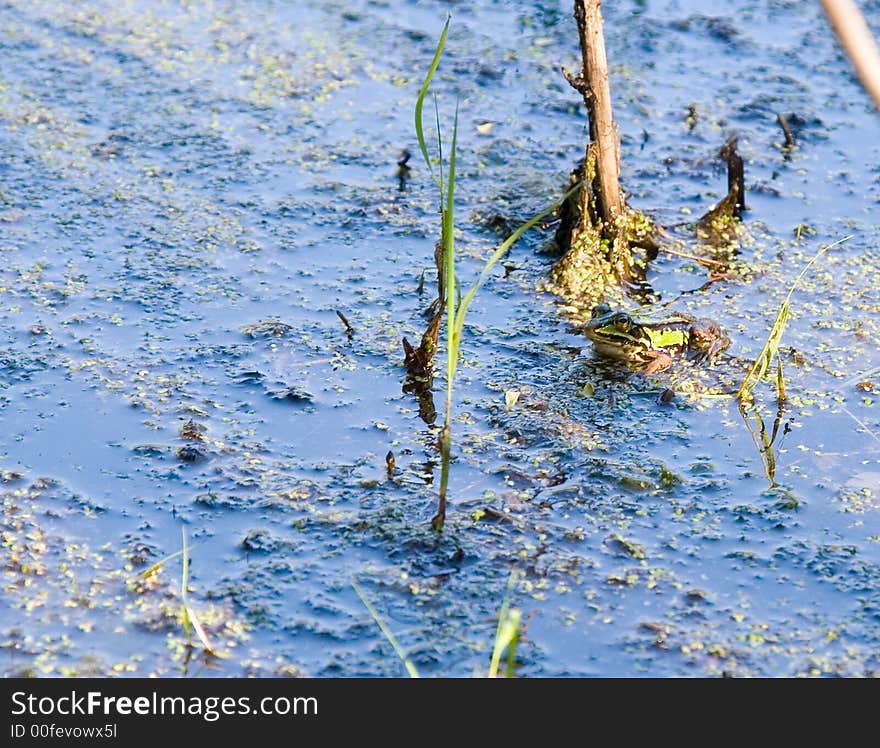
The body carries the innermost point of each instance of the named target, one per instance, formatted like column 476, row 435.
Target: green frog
column 648, row 343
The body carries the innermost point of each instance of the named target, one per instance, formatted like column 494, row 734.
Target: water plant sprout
column 455, row 313
column 762, row 363
column 506, row 632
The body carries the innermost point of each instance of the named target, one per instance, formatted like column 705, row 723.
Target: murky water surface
column 189, row 192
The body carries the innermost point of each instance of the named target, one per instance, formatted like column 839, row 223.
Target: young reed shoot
column 761, row 364
column 456, row 307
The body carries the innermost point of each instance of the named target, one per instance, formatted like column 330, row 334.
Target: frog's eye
column 622, row 321
column 599, row 310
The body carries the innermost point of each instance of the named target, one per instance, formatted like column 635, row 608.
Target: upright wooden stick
column 856, row 38
column 592, row 82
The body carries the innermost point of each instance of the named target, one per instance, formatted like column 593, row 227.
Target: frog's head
column 617, row 334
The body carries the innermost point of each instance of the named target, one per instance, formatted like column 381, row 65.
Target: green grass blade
column 407, row 663
column 506, row 637
column 499, row 252
column 438, row 178
column 507, row 631
column 199, row 629
column 420, row 134
column 762, row 363
column 514, row 623
column 190, row 618
column 448, row 237
column 162, row 561
column 862, row 425
column 780, row 382
column 184, row 582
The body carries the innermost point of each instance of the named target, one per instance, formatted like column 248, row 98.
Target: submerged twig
column 686, row 255
column 786, row 131
column 403, row 169
column 390, row 464
column 349, row 330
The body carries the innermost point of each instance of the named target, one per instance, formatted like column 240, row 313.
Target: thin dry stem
column 851, row 28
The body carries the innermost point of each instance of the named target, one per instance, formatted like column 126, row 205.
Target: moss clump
column 721, row 226
column 599, row 264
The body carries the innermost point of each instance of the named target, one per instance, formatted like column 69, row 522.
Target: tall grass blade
column 768, row 351
column 438, row 178
column 189, row 614
column 506, row 638
column 455, row 322
column 420, row 134
column 407, row 663
column 861, row 423
column 507, row 631
column 456, row 306
column 449, row 257
column 515, row 622
column 200, row 632
column 447, row 237
column 184, row 583
column 762, row 363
